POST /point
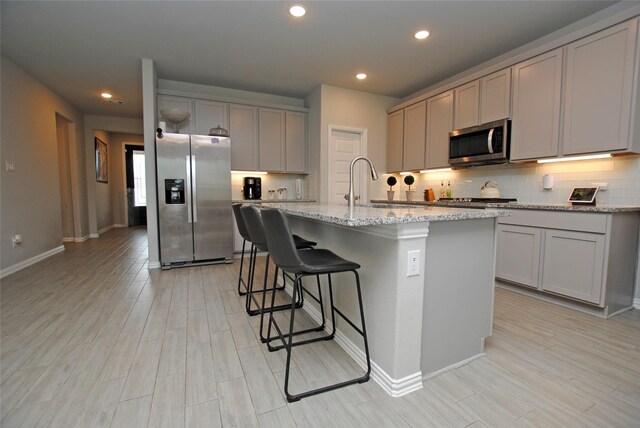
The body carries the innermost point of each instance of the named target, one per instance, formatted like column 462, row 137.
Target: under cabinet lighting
column 250, row 172
column 407, row 172
column 426, row 171
column 575, row 158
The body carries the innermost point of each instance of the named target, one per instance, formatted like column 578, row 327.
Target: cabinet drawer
column 585, row 222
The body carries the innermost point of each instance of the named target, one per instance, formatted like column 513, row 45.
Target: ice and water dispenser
column 174, row 191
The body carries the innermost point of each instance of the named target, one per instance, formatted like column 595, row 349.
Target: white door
column 343, row 147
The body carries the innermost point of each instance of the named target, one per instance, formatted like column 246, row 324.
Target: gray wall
column 104, row 211
column 30, row 196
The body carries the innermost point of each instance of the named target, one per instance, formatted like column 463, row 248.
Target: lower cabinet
column 587, row 257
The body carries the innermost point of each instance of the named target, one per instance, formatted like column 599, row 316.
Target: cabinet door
column 536, row 107
column 467, row 99
column 599, row 87
column 271, row 137
column 295, row 142
column 439, row 124
column 210, row 114
column 243, row 128
column 415, row 120
column 184, row 104
column 495, row 96
column 573, row 264
column 395, row 136
column 518, row 254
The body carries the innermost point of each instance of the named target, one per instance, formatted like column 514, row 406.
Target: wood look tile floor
column 91, row 338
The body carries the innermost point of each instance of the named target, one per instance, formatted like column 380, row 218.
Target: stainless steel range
column 471, row 202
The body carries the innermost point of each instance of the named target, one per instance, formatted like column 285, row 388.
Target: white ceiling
column 80, row 48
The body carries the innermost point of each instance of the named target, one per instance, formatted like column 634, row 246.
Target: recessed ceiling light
column 297, row 11
column 361, row 76
column 106, row 95
column 422, row 34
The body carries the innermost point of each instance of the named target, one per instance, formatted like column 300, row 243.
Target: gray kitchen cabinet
column 272, row 139
column 467, row 100
column 209, row 114
column 439, row 124
column 586, row 257
column 415, row 122
column 573, row 264
column 599, row 91
column 395, row 138
column 518, row 254
column 295, row 142
column 495, row 96
column 483, row 100
column 536, row 107
column 243, row 128
column 181, row 103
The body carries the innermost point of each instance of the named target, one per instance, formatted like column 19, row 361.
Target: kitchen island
column 418, row 325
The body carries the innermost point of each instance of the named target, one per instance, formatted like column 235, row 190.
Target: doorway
column 344, row 145
column 136, row 186
column 64, row 172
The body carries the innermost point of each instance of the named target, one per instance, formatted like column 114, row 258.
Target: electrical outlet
column 603, row 187
column 15, row 240
column 9, row 166
column 413, row 263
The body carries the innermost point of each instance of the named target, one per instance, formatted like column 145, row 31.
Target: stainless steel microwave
column 480, row 145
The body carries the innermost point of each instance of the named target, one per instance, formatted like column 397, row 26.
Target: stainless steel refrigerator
column 194, row 199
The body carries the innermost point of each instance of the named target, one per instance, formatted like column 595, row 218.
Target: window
column 140, row 184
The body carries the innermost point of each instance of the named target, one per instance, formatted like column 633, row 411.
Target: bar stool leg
column 240, row 280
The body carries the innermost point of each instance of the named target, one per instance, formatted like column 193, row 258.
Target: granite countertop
column 373, row 214
column 268, row 201
column 520, row 206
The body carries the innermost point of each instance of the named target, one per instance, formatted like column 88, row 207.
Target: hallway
column 91, row 338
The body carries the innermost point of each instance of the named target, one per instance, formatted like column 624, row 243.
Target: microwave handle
column 490, row 140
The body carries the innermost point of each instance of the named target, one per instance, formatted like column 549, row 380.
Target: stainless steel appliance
column 480, row 145
column 252, row 188
column 194, row 199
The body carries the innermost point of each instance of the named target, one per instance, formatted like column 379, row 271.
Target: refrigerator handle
column 188, row 195
column 195, row 189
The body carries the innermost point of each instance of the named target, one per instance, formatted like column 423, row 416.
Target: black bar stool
column 302, row 264
column 242, row 228
column 253, row 224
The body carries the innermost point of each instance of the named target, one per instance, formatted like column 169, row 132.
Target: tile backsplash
column 269, row 182
column 524, row 182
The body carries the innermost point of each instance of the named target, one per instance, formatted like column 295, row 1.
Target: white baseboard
column 69, row 239
column 393, row 387
column 153, row 265
column 636, row 303
column 81, row 239
column 106, row 229
column 94, row 235
column 26, row 263
column 120, row 225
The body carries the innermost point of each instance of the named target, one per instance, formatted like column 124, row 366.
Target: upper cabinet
column 483, row 100
column 395, row 138
column 209, row 114
column 295, row 142
column 415, row 118
column 184, row 104
column 467, row 101
column 536, row 107
column 439, row 124
column 599, row 92
column 272, row 138
column 495, row 96
column 243, row 128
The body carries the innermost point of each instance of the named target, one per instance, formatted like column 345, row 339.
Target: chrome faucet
column 374, row 176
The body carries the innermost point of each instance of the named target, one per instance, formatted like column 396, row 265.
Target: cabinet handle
column 490, row 141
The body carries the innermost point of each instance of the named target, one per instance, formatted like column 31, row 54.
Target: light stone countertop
column 605, row 209
column 373, row 214
column 268, row 201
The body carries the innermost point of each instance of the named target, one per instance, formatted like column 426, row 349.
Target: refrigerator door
column 173, row 156
column 212, row 213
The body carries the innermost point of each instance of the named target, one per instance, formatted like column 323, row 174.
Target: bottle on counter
column 442, row 193
column 449, row 189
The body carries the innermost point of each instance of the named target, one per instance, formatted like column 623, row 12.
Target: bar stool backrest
column 282, row 248
column 253, row 223
column 242, row 228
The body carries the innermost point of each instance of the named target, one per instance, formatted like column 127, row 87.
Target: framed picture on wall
column 102, row 161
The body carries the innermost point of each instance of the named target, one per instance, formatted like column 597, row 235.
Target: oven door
column 480, row 145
